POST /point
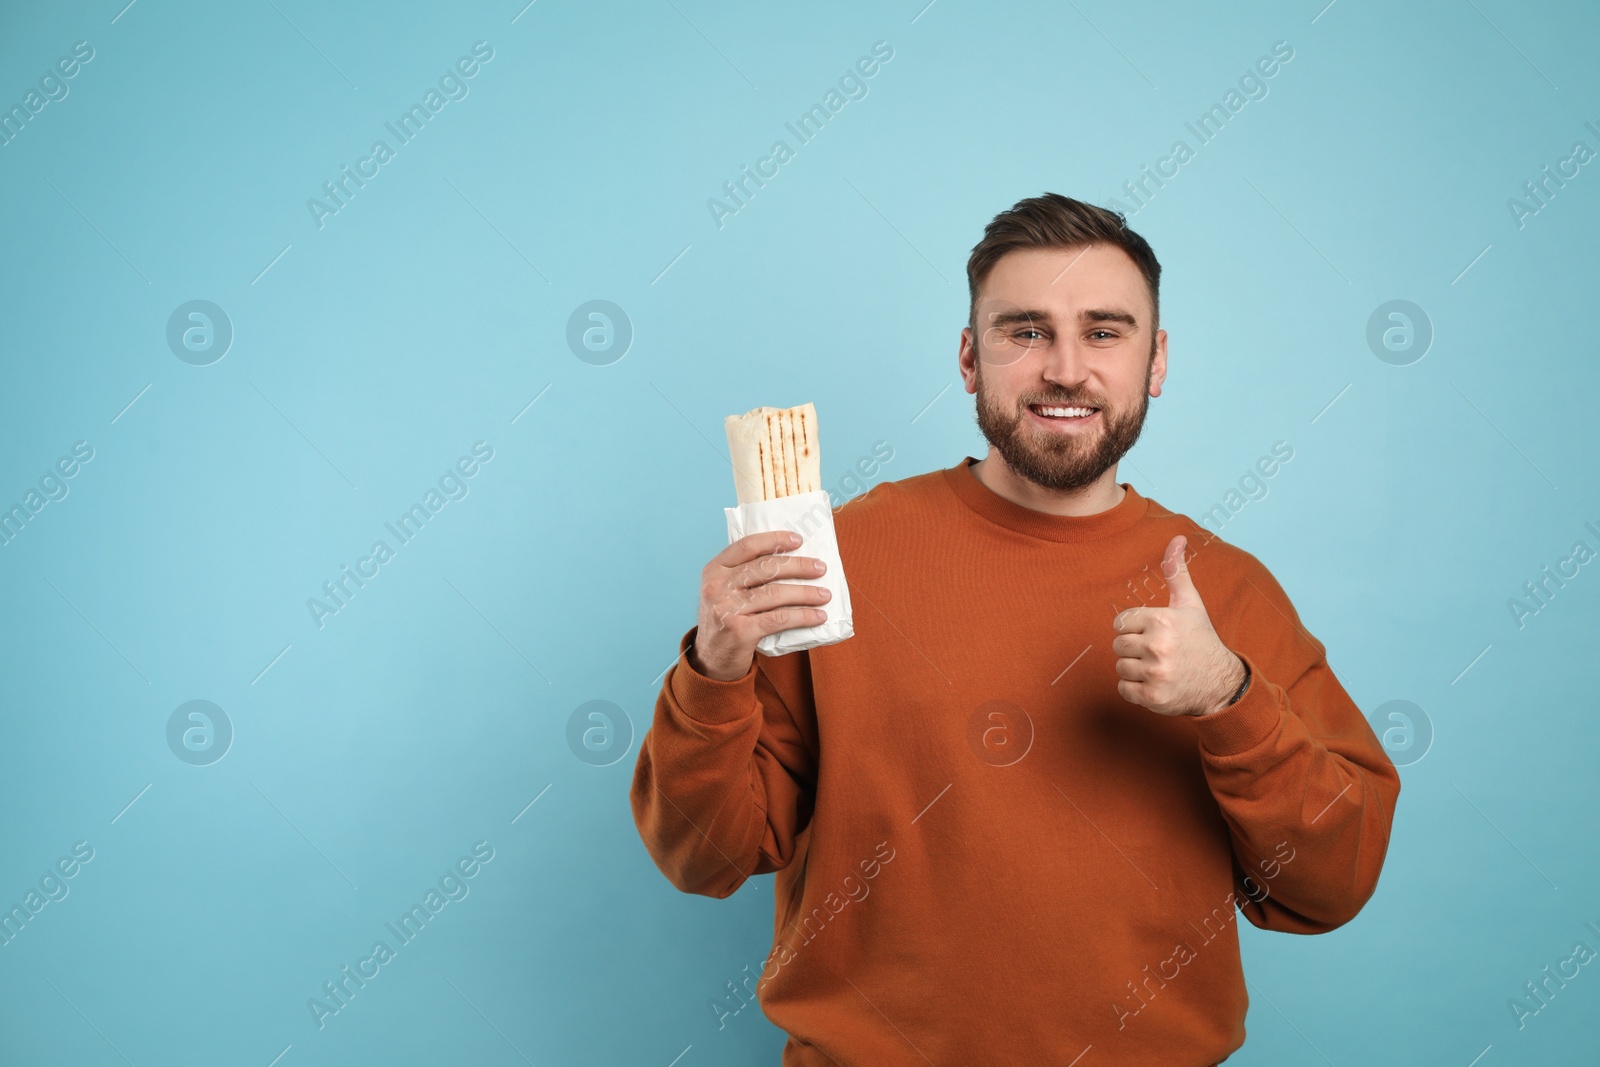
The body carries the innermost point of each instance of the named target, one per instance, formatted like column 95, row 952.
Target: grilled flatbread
column 775, row 452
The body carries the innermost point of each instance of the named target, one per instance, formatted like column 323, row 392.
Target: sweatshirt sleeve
column 725, row 779
column 1303, row 783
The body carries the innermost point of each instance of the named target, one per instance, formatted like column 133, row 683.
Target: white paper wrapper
column 811, row 516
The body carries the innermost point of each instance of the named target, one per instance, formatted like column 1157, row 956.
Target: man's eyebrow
column 1011, row 318
column 1086, row 316
column 1089, row 315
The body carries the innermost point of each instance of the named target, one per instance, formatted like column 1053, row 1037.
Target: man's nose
column 1064, row 363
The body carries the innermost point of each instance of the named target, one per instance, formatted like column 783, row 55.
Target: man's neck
column 1102, row 495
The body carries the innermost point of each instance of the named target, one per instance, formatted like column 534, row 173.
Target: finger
column 1133, row 670
column 803, row 611
column 751, row 602
column 750, row 546
column 788, row 618
column 766, row 569
column 779, row 594
column 1133, row 646
column 1175, row 568
column 1132, row 621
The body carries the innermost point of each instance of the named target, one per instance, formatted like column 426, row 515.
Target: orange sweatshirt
column 985, row 855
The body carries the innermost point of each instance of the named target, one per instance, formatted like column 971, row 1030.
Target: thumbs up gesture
column 1170, row 659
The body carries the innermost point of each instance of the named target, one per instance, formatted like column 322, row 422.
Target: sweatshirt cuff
column 1245, row 723
column 710, row 700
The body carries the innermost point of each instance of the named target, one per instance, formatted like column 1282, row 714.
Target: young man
column 1014, row 815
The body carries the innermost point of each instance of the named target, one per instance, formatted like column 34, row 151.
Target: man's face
column 1063, row 328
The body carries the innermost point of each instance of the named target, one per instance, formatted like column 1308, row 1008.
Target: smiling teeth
column 1067, row 413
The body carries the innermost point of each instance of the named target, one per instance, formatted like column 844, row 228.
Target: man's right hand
column 741, row 601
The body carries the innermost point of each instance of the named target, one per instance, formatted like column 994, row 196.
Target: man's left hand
column 1170, row 659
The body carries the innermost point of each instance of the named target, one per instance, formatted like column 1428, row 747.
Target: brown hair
column 1055, row 221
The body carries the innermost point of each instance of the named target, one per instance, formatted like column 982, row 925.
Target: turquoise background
column 369, row 354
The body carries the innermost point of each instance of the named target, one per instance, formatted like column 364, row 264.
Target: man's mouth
column 1070, row 413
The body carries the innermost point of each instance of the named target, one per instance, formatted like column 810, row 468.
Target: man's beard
column 1065, row 462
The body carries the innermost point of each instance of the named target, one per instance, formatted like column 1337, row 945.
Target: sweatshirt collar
column 997, row 509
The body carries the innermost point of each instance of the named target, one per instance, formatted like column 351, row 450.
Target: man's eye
column 1108, row 333
column 1020, row 334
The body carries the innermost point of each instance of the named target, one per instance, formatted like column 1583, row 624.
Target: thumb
column 1180, row 587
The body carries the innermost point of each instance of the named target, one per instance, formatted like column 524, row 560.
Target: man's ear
column 967, row 361
column 1158, row 363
